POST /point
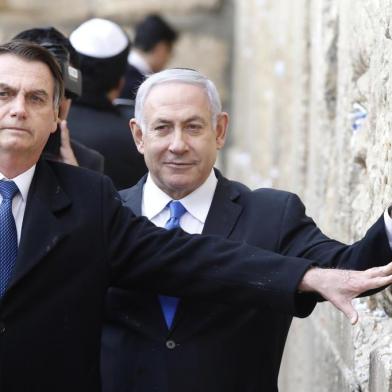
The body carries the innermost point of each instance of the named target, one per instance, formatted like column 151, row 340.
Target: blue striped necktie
column 8, row 236
column 169, row 304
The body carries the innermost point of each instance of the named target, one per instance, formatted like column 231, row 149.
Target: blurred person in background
column 60, row 146
column 93, row 119
column 152, row 50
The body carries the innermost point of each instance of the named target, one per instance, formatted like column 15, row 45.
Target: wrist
column 310, row 281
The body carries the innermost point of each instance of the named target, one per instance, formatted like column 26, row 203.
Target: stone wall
column 312, row 114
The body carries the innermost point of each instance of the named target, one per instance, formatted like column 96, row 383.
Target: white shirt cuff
column 388, row 226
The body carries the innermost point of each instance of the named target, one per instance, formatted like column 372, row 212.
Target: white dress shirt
column 136, row 59
column 388, row 226
column 23, row 182
column 197, row 204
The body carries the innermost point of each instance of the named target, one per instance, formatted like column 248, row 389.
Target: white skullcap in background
column 99, row 38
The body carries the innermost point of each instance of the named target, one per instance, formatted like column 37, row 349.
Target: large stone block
column 381, row 370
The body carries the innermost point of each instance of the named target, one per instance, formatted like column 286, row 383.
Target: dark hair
column 152, row 30
column 32, row 52
column 53, row 40
column 100, row 75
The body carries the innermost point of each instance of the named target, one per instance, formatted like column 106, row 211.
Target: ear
column 64, row 107
column 222, row 123
column 56, row 120
column 137, row 135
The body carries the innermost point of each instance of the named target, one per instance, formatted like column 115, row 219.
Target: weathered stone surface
column 327, row 371
column 312, row 64
column 113, row 7
column 194, row 51
column 380, row 370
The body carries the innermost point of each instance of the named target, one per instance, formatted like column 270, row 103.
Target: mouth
column 17, row 129
column 179, row 164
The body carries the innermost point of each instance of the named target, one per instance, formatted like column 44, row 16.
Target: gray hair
column 177, row 75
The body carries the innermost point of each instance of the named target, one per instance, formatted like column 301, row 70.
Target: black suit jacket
column 133, row 79
column 215, row 347
column 76, row 240
column 98, row 124
column 88, row 157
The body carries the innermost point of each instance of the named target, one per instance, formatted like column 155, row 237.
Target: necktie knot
column 177, row 210
column 8, row 189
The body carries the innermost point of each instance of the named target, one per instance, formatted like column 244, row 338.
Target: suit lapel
column 41, row 230
column 132, row 197
column 224, row 211
column 221, row 220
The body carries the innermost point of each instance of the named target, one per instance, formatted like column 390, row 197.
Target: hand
column 340, row 286
column 66, row 153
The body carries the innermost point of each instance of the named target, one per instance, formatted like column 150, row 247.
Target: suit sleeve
column 302, row 238
column 143, row 256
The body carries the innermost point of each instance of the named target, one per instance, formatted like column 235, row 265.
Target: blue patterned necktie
column 8, row 236
column 169, row 304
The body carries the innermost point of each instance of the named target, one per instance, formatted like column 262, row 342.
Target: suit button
column 171, row 344
column 2, row 328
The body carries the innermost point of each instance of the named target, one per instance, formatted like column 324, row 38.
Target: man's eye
column 161, row 127
column 36, row 99
column 193, row 127
column 4, row 94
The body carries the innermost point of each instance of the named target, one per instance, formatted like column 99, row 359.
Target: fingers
column 353, row 317
column 347, row 308
column 379, row 271
column 375, row 283
column 66, row 152
column 64, row 133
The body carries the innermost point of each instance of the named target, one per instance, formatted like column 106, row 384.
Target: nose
column 18, row 108
column 178, row 144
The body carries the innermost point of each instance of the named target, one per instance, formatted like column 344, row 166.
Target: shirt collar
column 136, row 59
column 22, row 181
column 196, row 203
column 154, row 199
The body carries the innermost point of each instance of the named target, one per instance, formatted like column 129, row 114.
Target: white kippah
column 99, row 38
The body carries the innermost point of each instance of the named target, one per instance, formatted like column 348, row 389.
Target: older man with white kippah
column 103, row 48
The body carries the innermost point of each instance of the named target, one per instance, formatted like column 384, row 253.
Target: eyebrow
column 5, row 86
column 195, row 118
column 161, row 120
column 39, row 92
column 192, row 118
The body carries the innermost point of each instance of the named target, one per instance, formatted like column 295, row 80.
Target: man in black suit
column 93, row 118
column 207, row 347
column 153, row 47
